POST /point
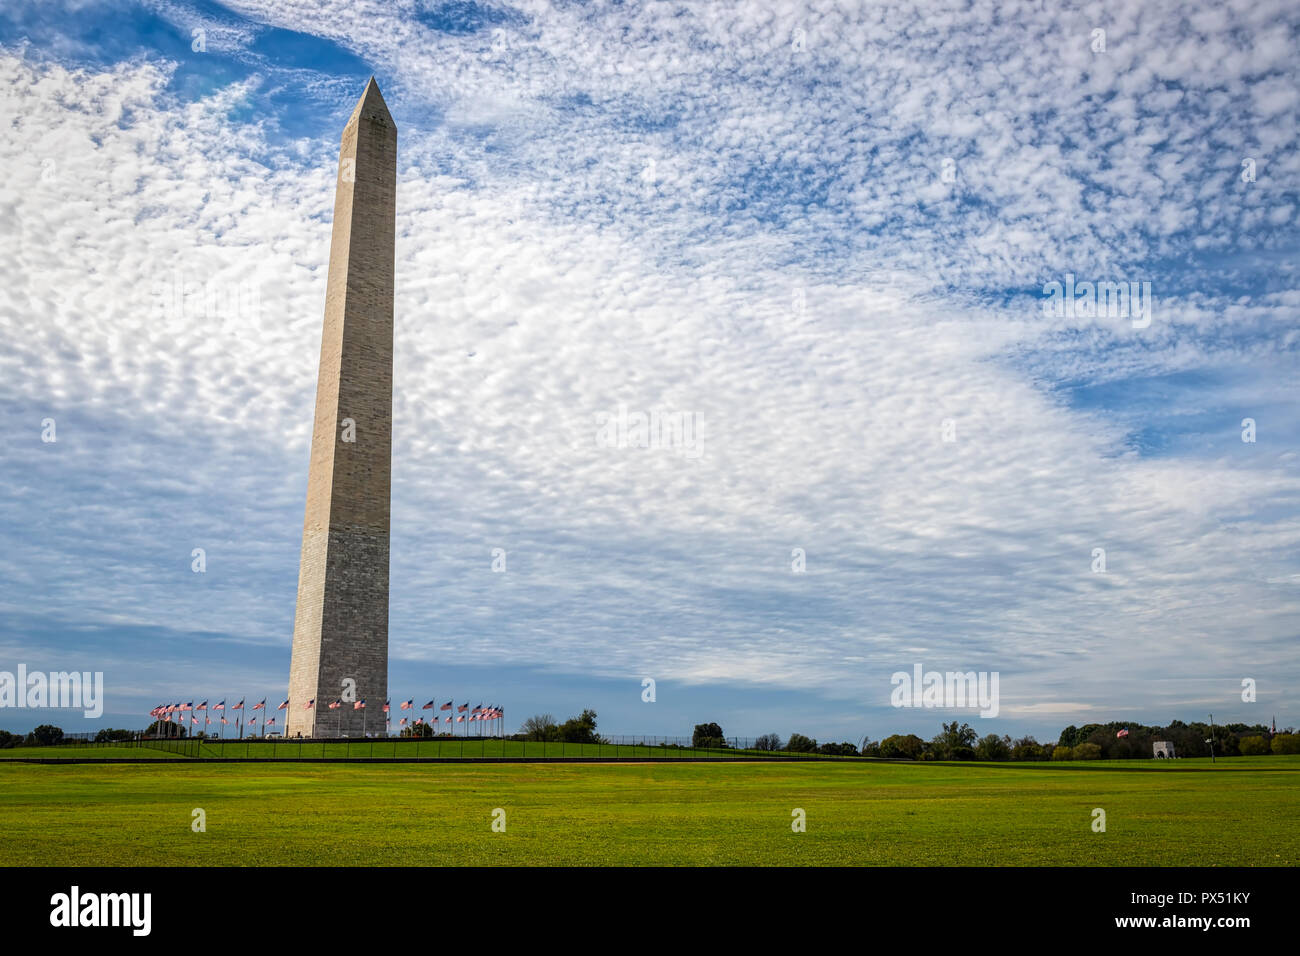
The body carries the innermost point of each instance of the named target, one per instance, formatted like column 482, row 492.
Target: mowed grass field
column 1241, row 812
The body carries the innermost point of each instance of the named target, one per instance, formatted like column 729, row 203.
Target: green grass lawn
column 1242, row 812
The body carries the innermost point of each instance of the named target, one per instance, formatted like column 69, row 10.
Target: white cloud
column 541, row 283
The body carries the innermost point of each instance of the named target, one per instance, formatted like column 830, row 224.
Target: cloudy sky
column 821, row 233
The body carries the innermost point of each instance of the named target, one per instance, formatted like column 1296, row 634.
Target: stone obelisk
column 340, row 631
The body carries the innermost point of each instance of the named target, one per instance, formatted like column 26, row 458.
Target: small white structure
column 1163, row 748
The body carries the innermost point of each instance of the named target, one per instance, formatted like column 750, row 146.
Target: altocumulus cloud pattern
column 822, row 230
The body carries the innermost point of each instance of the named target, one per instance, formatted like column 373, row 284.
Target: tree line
column 953, row 742
column 960, row 741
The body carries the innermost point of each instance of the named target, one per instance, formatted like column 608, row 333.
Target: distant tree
column 1225, row 742
column 908, row 746
column 845, row 749
column 45, row 735
column 1087, row 751
column 1253, row 746
column 540, row 727
column 1188, row 739
column 800, row 744
column 8, row 740
column 955, row 742
column 165, row 728
column 1026, row 748
column 869, row 747
column 708, row 736
column 580, row 729
column 1286, row 744
column 417, row 730
column 1069, row 737
column 768, row 742
column 1062, row 752
column 993, row 747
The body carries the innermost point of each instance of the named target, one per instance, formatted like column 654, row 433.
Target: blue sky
column 821, row 230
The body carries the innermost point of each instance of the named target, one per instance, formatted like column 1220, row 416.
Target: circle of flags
column 464, row 713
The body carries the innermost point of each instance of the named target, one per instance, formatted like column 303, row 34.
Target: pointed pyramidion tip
column 371, row 105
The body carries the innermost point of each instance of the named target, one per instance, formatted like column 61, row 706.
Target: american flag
column 446, row 706
column 220, row 705
column 252, row 720
column 448, row 718
column 283, row 706
column 462, row 708
column 189, row 706
column 460, row 719
column 224, row 721
column 478, row 709
column 307, row 706
column 359, row 705
column 419, row 721
column 386, row 703
column 335, row 704
column 408, row 704
column 1122, row 733
column 202, row 706
column 259, row 706
column 430, row 705
column 193, row 719
column 239, row 706
column 402, row 722
column 271, row 721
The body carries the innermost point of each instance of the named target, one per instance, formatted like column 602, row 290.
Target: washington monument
column 340, row 630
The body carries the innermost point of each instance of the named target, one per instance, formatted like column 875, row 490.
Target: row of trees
column 1090, row 742
column 1189, row 740
column 47, row 735
column 954, row 742
column 575, row 730
column 710, row 736
column 957, row 741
